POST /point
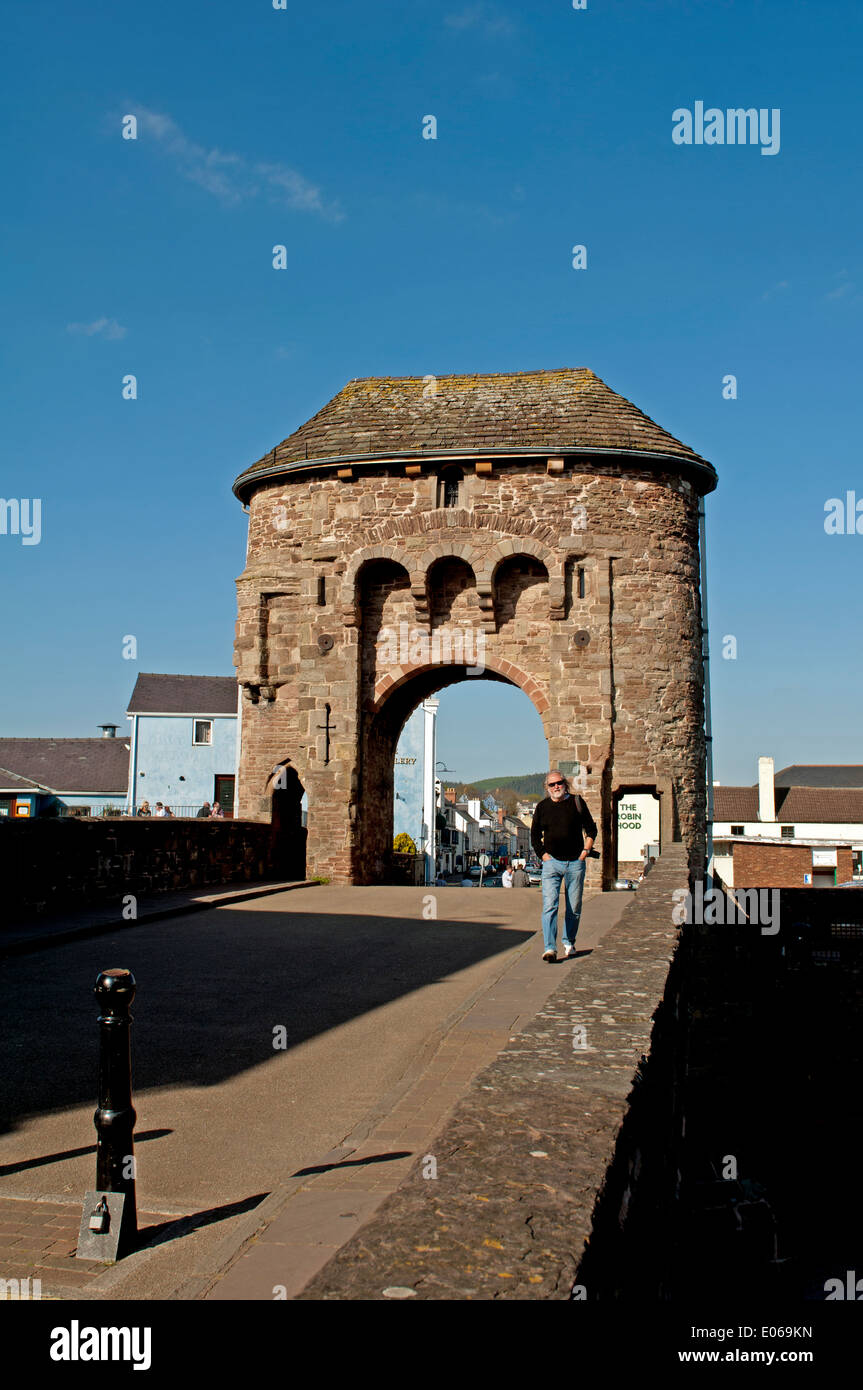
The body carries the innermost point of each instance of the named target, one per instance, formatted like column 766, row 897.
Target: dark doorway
column 223, row 794
column 288, row 843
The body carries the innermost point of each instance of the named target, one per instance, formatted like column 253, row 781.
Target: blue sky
column 260, row 126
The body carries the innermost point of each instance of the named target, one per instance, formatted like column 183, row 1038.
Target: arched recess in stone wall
column 384, row 603
column 396, row 696
column 360, row 573
column 451, row 593
column 521, row 602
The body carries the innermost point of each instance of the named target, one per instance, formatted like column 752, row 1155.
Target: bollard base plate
column 102, row 1245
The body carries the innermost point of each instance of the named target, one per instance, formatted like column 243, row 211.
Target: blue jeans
column 554, row 872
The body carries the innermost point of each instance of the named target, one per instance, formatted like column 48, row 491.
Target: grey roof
column 10, row 783
column 565, row 411
column 820, row 775
column 98, row 766
column 169, row 694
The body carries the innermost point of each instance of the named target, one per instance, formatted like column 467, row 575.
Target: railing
column 186, row 812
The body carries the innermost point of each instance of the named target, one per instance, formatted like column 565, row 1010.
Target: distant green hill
column 505, row 790
column 529, row 784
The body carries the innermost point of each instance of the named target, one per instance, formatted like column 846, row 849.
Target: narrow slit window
column 322, row 590
column 581, row 582
column 449, row 488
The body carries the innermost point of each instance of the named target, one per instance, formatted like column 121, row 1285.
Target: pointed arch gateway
column 397, row 694
column 570, row 544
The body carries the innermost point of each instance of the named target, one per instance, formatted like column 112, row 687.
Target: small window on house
column 737, row 829
column 449, row 487
column 322, row 590
column 581, row 581
column 203, row 731
column 787, row 832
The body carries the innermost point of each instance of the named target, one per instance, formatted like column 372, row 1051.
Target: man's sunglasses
column 555, row 784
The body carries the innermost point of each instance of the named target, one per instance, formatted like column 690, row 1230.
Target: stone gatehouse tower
column 536, row 518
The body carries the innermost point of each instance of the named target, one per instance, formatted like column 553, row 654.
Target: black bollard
column 110, row 1221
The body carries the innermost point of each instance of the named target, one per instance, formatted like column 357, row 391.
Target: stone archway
column 394, row 702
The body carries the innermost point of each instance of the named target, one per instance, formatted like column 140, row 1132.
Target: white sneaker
column 568, row 952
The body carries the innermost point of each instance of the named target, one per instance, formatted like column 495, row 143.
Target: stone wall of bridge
column 49, row 866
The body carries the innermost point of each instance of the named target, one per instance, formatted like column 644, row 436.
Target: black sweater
column 558, row 828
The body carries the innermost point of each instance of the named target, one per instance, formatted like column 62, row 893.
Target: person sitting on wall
column 144, row 809
column 160, row 810
column 204, row 811
column 217, row 813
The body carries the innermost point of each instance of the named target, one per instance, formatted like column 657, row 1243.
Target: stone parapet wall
column 59, row 865
column 568, row 1128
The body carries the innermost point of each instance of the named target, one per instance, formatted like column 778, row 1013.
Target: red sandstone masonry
column 628, row 706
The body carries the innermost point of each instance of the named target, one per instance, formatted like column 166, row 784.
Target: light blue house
column 184, row 743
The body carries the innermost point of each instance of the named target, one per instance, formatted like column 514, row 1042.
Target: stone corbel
column 256, row 692
column 556, row 601
column 419, row 594
column 485, row 594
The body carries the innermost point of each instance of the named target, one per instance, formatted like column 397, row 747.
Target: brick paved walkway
column 38, row 1240
column 323, row 1211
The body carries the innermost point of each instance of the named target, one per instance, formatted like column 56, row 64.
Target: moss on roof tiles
column 564, row 410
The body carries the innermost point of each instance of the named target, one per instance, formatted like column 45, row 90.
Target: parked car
column 492, row 881
column 534, row 872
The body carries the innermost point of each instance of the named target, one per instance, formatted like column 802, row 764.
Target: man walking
column 562, row 833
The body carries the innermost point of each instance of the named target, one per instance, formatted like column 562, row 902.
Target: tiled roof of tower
column 565, row 411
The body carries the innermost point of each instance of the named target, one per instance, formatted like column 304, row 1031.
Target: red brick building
column 801, row 827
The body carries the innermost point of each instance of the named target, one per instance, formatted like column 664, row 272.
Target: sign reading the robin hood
column 637, row 825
